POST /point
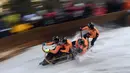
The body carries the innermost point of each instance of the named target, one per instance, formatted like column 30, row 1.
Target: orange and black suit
column 56, row 50
column 84, row 47
column 94, row 33
column 67, row 46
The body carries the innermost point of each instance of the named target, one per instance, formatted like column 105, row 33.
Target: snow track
column 111, row 54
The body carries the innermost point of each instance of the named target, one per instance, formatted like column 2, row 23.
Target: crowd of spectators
column 66, row 13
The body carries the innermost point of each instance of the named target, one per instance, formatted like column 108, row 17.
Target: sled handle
column 42, row 49
column 81, row 32
column 45, row 56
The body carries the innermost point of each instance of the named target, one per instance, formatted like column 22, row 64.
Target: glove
column 43, row 44
column 88, row 35
column 80, row 29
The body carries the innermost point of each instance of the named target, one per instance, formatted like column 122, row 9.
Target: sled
column 64, row 57
column 56, row 59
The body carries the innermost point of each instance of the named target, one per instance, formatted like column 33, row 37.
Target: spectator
column 126, row 5
column 113, row 5
column 3, row 29
column 88, row 9
column 99, row 10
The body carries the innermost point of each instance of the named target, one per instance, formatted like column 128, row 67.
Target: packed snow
column 111, row 54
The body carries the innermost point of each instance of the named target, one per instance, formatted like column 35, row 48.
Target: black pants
column 93, row 40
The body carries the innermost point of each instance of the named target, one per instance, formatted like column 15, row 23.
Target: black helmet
column 91, row 25
column 64, row 40
column 80, row 41
column 56, row 39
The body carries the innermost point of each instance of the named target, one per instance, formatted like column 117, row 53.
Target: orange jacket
column 67, row 46
column 83, row 47
column 58, row 47
column 92, row 32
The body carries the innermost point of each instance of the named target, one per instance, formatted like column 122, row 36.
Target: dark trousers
column 93, row 40
column 51, row 55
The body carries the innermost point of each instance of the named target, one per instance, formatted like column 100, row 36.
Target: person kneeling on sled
column 82, row 45
column 92, row 32
column 55, row 52
column 67, row 46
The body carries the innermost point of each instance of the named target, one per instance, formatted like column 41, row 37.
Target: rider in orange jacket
column 93, row 32
column 63, row 46
column 52, row 53
column 66, row 45
column 55, row 40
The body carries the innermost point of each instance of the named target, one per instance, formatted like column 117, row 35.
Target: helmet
column 64, row 40
column 56, row 39
column 91, row 25
column 80, row 41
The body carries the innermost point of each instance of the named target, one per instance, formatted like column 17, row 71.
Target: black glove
column 80, row 29
column 87, row 35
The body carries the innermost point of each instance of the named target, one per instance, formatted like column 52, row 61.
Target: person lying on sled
column 53, row 53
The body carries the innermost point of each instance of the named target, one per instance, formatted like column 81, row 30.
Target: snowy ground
column 111, row 54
